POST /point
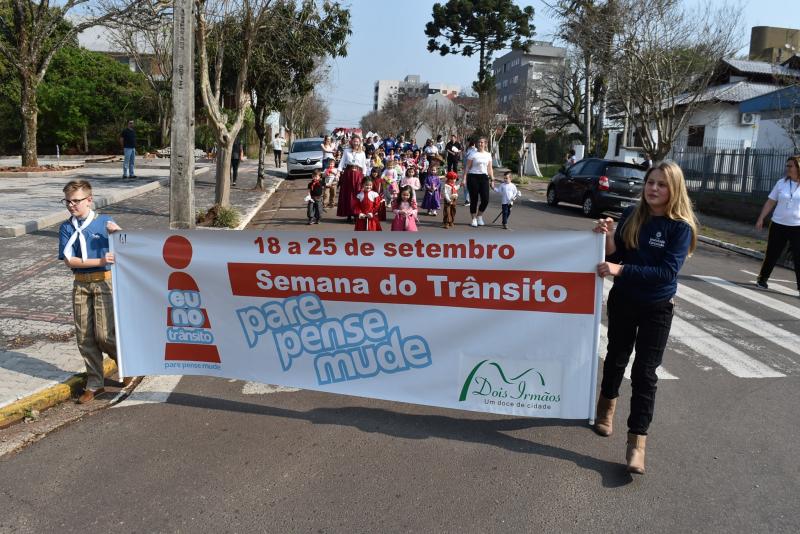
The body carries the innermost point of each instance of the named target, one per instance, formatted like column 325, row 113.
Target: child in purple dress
column 433, row 200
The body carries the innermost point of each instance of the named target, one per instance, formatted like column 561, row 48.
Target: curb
column 266, row 196
column 27, row 227
column 49, row 397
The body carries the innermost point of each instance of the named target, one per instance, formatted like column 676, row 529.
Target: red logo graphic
column 189, row 328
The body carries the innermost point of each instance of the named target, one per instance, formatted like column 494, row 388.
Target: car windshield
column 617, row 171
column 307, row 146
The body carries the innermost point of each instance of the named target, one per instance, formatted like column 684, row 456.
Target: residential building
column 773, row 45
column 411, row 86
column 520, row 73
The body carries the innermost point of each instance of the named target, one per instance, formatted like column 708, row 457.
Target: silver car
column 304, row 156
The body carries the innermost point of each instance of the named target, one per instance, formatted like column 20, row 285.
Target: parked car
column 305, row 155
column 597, row 185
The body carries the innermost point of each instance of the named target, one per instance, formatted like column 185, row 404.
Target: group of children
column 393, row 185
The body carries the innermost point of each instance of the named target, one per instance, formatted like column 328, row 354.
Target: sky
column 389, row 42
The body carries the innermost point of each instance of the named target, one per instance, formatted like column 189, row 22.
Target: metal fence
column 748, row 172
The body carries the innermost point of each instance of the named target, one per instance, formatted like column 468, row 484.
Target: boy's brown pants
column 449, row 214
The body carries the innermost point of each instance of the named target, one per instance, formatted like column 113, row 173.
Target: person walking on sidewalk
column 83, row 246
column 236, row 158
column 128, row 141
column 277, row 148
column 478, row 175
column 644, row 256
column 785, row 226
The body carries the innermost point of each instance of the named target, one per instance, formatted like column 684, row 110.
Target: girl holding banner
column 644, row 256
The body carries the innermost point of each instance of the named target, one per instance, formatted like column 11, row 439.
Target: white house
column 778, row 117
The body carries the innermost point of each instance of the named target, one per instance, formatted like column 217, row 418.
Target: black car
column 597, row 185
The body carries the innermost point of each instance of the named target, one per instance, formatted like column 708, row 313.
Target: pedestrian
column 509, row 193
column 405, row 211
column 277, row 148
column 453, row 150
column 439, row 145
column 785, row 226
column 450, row 199
column 570, row 159
column 391, row 181
column 352, row 168
column 471, row 149
column 328, row 149
column 647, row 162
column 644, row 255
column 366, row 209
column 128, row 141
column 379, row 186
column 411, row 179
column 84, row 248
column 331, row 181
column 478, row 174
column 432, row 201
column 316, row 189
column 236, row 158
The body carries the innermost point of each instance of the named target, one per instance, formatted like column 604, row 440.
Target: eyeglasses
column 74, row 202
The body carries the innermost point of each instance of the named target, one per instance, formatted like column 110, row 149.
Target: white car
column 304, row 156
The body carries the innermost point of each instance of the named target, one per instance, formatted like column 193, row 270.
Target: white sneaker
column 480, row 221
column 474, row 223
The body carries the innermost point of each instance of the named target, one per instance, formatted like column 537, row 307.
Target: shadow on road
column 413, row 426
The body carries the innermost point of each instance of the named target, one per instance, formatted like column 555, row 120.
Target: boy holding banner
column 83, row 246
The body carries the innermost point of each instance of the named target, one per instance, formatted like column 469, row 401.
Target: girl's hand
column 369, row 215
column 608, row 269
column 361, row 216
column 604, row 226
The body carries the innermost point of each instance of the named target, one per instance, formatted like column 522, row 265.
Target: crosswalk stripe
column 660, row 371
column 761, row 298
column 776, row 287
column 704, row 344
column 743, row 320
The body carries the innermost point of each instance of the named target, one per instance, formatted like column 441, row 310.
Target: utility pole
column 181, row 164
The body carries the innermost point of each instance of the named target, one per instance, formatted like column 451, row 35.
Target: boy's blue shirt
column 96, row 241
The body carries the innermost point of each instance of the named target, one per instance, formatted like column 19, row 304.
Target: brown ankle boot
column 604, row 419
column 635, row 453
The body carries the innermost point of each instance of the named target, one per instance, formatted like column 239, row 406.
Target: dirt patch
column 20, row 342
column 40, row 168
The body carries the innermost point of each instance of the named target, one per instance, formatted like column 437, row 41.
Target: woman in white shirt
column 785, row 225
column 479, row 177
column 327, row 151
column 277, row 148
column 352, row 167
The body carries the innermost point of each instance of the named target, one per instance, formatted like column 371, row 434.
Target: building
column 773, row 45
column 519, row 73
column 411, row 86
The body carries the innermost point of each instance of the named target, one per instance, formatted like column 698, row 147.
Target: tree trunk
column 85, row 139
column 261, row 131
column 222, row 193
column 30, row 116
column 587, row 106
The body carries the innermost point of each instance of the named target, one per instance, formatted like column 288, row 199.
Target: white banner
column 484, row 321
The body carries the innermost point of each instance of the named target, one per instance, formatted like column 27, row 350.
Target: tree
column 147, row 38
column 665, row 60
column 562, row 98
column 29, row 39
column 467, row 27
column 292, row 44
column 235, row 23
column 376, row 121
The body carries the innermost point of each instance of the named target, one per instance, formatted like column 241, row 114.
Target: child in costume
column 366, row 209
column 405, row 211
column 316, row 189
column 390, row 181
column 433, row 200
column 411, row 179
column 450, row 198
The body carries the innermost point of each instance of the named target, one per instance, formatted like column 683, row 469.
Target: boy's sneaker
column 480, row 221
column 474, row 223
column 761, row 284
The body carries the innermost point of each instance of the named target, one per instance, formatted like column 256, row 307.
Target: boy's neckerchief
column 78, row 235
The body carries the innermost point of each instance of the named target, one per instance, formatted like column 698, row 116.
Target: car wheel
column 552, row 199
column 588, row 207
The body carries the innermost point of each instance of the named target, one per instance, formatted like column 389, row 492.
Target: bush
column 218, row 217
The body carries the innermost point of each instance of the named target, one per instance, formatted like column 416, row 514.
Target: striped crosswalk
column 749, row 334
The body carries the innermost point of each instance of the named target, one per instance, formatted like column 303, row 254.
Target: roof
column 784, row 98
column 731, row 92
column 746, row 66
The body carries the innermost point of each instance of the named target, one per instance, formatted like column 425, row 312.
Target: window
column 536, row 75
column 696, row 136
column 515, row 79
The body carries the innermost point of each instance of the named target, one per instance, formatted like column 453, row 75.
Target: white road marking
column 257, row 388
column 756, row 296
column 152, row 390
column 740, row 319
column 660, row 371
column 776, row 287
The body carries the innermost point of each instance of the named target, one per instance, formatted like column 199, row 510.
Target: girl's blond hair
column 679, row 207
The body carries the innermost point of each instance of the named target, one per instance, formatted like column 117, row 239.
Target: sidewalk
column 37, row 343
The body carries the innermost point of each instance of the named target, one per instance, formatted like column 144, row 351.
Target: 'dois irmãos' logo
column 488, row 383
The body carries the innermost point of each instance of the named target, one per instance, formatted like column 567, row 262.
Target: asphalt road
column 228, row 456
